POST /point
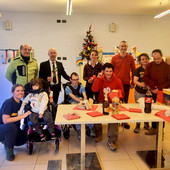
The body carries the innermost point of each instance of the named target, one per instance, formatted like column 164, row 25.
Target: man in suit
column 51, row 71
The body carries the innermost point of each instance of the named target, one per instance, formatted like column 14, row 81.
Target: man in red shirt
column 156, row 77
column 107, row 80
column 124, row 68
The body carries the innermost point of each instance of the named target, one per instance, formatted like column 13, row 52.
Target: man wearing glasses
column 22, row 68
column 75, row 91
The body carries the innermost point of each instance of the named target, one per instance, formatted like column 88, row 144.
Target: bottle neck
column 106, row 96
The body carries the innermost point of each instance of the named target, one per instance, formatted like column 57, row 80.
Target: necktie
column 54, row 73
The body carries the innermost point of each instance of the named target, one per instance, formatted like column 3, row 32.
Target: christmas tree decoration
column 88, row 45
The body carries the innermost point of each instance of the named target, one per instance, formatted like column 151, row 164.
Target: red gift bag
column 114, row 93
column 160, row 98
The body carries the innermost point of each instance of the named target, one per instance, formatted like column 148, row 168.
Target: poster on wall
column 6, row 55
column 79, row 61
column 107, row 56
column 9, row 56
column 2, row 57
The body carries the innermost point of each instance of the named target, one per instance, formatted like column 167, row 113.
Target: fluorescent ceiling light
column 162, row 14
column 69, row 7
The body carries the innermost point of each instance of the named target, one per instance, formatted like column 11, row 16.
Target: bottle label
column 106, row 109
column 115, row 107
column 148, row 99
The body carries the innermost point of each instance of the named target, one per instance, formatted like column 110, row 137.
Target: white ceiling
column 130, row 7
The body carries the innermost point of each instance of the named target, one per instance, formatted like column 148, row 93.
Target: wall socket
column 61, row 21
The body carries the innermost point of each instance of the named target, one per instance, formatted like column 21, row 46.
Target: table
column 86, row 119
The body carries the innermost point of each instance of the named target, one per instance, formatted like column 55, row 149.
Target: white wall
column 5, row 85
column 41, row 31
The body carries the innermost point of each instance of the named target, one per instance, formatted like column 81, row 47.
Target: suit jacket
column 45, row 71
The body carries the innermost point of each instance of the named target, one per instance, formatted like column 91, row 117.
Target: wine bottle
column 105, row 105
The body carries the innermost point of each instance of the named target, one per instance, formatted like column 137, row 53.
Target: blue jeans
column 78, row 126
column 138, row 95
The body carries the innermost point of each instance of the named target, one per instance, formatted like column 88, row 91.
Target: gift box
column 160, row 97
column 166, row 93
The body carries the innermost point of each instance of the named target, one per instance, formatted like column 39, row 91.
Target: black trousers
column 90, row 93
column 126, row 91
column 11, row 135
column 154, row 96
column 56, row 90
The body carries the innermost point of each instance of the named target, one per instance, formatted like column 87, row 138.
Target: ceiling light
column 162, row 14
column 69, row 7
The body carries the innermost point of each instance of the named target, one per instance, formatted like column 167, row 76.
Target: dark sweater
column 157, row 75
column 89, row 71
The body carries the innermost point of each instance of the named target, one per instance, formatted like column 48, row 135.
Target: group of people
column 121, row 74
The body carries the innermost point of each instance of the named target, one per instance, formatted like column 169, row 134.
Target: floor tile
column 119, row 165
column 140, row 164
column 2, row 157
column 41, row 167
column 18, row 167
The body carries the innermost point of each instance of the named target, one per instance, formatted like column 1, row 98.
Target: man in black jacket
column 51, row 71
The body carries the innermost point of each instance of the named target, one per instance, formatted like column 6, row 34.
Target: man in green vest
column 22, row 68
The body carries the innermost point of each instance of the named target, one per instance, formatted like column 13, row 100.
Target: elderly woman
column 10, row 133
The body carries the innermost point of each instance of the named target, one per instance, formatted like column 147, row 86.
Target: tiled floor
column 124, row 159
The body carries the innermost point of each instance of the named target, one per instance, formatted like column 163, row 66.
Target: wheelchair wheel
column 88, row 132
column 66, row 134
column 57, row 142
column 30, row 148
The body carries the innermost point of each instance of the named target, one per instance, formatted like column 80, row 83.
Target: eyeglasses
column 75, row 79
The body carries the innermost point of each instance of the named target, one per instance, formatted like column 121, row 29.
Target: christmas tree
column 88, row 45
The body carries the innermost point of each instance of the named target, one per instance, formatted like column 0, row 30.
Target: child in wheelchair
column 38, row 101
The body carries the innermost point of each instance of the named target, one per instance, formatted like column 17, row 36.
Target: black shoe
column 126, row 125
column 9, row 154
column 137, row 128
column 151, row 131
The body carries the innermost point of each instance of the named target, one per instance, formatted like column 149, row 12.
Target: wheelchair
column 34, row 136
column 66, row 128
